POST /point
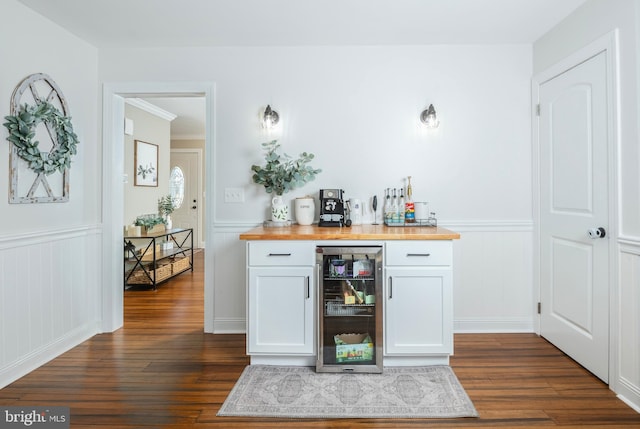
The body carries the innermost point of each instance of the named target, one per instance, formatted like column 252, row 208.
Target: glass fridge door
column 350, row 313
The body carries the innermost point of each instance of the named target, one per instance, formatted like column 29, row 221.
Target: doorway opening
column 114, row 96
column 176, row 126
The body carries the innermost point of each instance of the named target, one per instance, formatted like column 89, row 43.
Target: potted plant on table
column 165, row 208
column 281, row 174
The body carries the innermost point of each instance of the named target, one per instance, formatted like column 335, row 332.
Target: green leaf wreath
column 22, row 132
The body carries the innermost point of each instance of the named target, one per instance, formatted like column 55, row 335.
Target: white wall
column 139, row 200
column 356, row 109
column 593, row 20
column 49, row 253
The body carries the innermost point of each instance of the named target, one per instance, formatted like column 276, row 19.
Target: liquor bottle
column 386, row 213
column 401, row 206
column 409, row 206
column 394, row 205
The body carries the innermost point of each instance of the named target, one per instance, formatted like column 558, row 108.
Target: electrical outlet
column 233, row 195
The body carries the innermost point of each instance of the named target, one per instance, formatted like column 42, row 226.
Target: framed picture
column 146, row 164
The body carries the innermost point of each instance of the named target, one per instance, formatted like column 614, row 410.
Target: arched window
column 176, row 186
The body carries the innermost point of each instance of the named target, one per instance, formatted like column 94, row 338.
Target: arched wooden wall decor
column 28, row 186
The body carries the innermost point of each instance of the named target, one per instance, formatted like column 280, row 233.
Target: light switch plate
column 233, row 195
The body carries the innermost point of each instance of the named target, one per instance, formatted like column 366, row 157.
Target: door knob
column 597, row 232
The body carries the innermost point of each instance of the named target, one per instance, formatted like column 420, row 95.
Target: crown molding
column 150, row 108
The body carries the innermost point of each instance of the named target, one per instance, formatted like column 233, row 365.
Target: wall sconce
column 429, row 118
column 270, row 118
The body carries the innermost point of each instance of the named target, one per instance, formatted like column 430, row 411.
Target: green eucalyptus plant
column 282, row 173
column 165, row 206
column 148, row 221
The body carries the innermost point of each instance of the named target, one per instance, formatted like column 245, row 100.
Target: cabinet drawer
column 280, row 253
column 419, row 253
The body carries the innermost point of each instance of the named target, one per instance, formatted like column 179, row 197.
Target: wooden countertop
column 355, row 232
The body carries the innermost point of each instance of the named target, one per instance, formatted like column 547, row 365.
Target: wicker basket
column 180, row 265
column 139, row 277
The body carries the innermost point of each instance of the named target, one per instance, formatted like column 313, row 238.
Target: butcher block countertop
column 354, row 232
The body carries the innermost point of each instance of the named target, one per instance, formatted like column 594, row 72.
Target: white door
column 185, row 184
column 574, row 268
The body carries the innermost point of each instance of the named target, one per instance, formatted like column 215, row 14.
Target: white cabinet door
column 418, row 311
column 281, row 305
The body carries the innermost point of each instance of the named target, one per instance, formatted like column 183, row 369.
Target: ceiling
column 165, row 23
column 198, row 23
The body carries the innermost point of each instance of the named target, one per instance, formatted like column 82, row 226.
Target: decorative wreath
column 22, row 132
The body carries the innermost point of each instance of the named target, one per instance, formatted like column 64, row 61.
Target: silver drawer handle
column 279, row 254
column 418, row 254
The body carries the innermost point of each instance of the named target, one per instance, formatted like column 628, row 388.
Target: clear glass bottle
column 394, row 204
column 386, row 213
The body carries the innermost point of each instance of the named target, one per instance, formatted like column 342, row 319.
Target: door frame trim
column 199, row 239
column 113, row 95
column 607, row 43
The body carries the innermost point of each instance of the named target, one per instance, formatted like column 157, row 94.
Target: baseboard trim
column 229, row 326
column 39, row 357
column 493, row 326
column 628, row 393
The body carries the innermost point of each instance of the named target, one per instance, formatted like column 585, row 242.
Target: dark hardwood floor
column 162, row 371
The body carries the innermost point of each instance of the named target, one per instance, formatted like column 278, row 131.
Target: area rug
column 300, row 392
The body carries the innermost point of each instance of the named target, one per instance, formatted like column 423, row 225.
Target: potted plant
column 149, row 221
column 281, row 174
column 165, row 208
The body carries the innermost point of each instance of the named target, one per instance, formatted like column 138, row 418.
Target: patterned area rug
column 300, row 392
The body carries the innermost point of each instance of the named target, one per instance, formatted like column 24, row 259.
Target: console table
column 151, row 258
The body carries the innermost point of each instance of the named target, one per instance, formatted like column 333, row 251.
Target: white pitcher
column 279, row 210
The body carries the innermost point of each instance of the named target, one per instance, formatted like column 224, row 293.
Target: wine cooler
column 350, row 313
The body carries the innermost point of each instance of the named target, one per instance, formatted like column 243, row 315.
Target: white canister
column 422, row 210
column 305, row 210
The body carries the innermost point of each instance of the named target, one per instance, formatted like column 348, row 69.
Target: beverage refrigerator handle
column 321, row 308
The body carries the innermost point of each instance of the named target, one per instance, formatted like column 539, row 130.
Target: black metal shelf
column 149, row 265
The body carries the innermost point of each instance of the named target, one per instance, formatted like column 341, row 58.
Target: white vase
column 168, row 223
column 279, row 210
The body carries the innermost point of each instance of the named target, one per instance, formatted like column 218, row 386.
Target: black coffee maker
column 332, row 208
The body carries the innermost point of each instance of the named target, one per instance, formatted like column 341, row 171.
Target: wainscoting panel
column 628, row 382
column 49, row 297
column 229, row 279
column 493, row 278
